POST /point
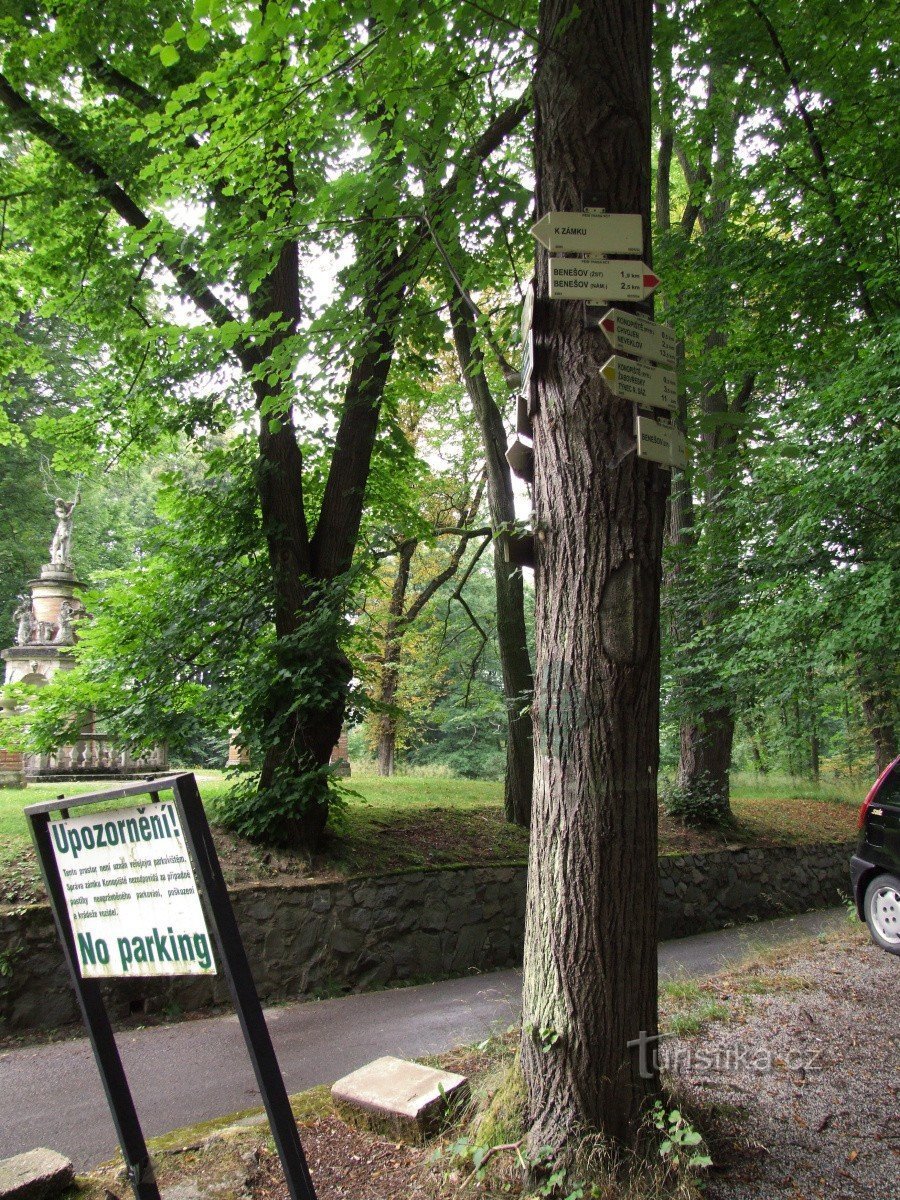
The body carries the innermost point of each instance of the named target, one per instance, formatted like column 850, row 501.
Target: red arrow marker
column 650, row 281
column 609, row 324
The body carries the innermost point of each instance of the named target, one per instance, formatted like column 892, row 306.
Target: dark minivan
column 875, row 867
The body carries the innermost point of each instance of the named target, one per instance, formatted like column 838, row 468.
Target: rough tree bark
column 512, row 640
column 879, row 712
column 590, row 943
column 390, row 663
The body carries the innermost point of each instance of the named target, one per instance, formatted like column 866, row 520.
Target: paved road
column 50, row 1095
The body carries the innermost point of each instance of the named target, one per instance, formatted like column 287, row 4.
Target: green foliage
column 287, row 682
column 779, row 268
column 699, row 805
column 681, row 1147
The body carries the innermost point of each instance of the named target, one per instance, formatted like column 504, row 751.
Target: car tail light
column 873, row 792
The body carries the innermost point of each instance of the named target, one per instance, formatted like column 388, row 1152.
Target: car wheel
column 881, row 909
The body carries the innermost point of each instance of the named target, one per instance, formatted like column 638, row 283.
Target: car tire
column 881, row 909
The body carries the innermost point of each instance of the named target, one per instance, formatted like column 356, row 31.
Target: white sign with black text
column 597, row 282
column 131, row 894
column 636, row 335
column 654, row 387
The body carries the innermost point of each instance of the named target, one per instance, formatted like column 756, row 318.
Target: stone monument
column 46, row 630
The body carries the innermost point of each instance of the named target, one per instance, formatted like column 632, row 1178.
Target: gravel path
column 807, row 1080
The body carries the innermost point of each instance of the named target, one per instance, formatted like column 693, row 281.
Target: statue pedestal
column 46, row 639
column 55, row 585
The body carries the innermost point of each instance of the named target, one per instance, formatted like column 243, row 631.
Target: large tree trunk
column 590, row 978
column 512, row 641
column 705, row 760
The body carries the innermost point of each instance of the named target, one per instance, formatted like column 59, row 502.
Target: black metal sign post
column 233, row 958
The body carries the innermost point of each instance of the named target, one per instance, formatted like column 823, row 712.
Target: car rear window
column 889, row 792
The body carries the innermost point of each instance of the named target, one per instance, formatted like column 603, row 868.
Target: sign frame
column 603, row 281
column 649, row 375
column 232, row 958
column 656, row 341
column 591, row 231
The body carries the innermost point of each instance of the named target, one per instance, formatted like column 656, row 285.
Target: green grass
column 426, row 821
column 745, row 785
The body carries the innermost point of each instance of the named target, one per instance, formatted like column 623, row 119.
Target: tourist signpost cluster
column 136, row 892
column 641, row 368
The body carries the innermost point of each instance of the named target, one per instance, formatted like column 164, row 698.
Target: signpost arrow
column 660, row 443
column 651, row 386
column 527, row 361
column 527, row 311
column 590, row 233
column 600, row 282
column 520, row 456
column 636, row 335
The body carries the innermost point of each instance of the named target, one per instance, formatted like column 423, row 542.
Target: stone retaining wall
column 323, row 939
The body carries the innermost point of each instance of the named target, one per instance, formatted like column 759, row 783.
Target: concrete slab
column 35, row 1175
column 401, row 1095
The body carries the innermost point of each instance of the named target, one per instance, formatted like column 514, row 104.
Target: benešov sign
column 660, row 443
column 599, row 282
column 590, row 233
column 636, row 335
column 654, row 387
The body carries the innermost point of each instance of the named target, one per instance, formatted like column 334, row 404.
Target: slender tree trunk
column 390, row 663
column 590, row 942
column 757, row 746
column 512, row 640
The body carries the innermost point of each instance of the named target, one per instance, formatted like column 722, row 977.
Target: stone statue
column 24, row 619
column 65, row 635
column 61, row 546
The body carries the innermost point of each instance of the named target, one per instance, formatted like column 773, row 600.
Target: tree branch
column 28, row 120
column 335, row 536
column 822, row 164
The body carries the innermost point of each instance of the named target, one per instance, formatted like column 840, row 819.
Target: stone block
column 35, row 1175
column 400, row 1096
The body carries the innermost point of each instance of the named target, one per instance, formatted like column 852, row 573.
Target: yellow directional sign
column 660, row 443
column 636, row 335
column 590, row 233
column 600, row 282
column 652, row 386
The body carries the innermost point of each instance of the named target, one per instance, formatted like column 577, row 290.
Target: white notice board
column 131, row 894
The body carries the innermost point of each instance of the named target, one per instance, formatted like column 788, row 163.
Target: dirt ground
column 791, row 1070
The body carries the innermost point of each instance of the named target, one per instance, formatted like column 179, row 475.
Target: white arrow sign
column 653, row 386
column 527, row 361
column 617, row 279
column 590, row 233
column 637, row 335
column 527, row 311
column 660, row 443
